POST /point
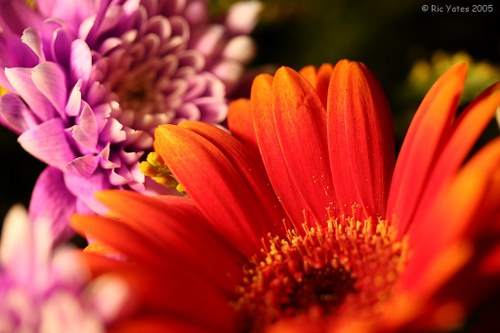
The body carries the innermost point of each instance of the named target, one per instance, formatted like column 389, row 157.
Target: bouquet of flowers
column 185, row 192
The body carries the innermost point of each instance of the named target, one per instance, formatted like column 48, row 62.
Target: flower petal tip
column 111, row 195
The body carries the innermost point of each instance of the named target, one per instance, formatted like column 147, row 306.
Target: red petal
column 423, row 140
column 490, row 265
column 292, row 140
column 463, row 209
column 262, row 106
column 240, row 123
column 319, row 79
column 322, row 83
column 155, row 324
column 309, row 73
column 214, row 183
column 151, row 323
column 360, row 139
column 159, row 282
column 100, row 263
column 188, row 298
column 483, row 272
column 117, row 235
column 168, row 222
column 270, row 214
column 464, row 133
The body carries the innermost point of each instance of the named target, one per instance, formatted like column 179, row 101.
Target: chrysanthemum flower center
column 152, row 74
column 345, row 266
column 146, row 92
column 139, row 93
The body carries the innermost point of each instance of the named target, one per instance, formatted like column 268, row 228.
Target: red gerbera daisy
column 300, row 221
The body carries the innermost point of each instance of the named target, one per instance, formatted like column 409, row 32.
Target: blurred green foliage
column 424, row 73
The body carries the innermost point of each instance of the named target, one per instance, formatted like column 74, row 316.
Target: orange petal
column 117, row 235
column 323, row 82
column 270, row 215
column 155, row 324
column 240, row 124
column 292, row 140
column 213, row 182
column 360, row 139
column 421, row 145
column 300, row 125
column 462, row 209
column 159, row 282
column 483, row 272
column 319, row 79
column 286, row 190
column 100, row 248
column 491, row 264
column 464, row 133
column 434, row 275
column 189, row 297
column 101, row 264
column 173, row 294
column 168, row 223
column 309, row 73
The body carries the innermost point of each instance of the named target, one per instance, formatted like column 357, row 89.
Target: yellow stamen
column 342, row 266
column 155, row 168
column 31, row 3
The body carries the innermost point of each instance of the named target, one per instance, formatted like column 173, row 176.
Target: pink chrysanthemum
column 90, row 80
column 47, row 290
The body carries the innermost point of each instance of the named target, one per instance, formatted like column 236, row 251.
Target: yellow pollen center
column 345, row 266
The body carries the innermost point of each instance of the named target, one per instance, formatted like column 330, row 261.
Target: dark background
column 388, row 36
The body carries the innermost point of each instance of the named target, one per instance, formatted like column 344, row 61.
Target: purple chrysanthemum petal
column 16, row 16
column 50, row 80
column 84, row 165
column 86, row 187
column 196, row 12
column 74, row 102
column 242, row 17
column 14, row 53
column 48, row 142
column 81, row 61
column 85, row 131
column 239, row 49
column 74, row 11
column 18, row 234
column 15, row 114
column 59, row 49
column 113, row 132
column 208, row 39
column 32, row 39
column 20, row 79
column 52, row 201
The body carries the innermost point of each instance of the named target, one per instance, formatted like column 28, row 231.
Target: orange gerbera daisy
column 300, row 221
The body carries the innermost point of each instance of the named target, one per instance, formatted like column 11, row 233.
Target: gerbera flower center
column 344, row 266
